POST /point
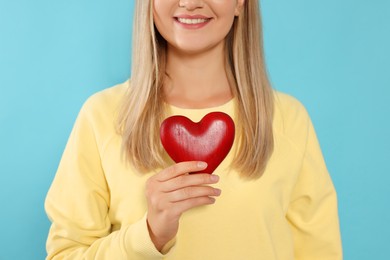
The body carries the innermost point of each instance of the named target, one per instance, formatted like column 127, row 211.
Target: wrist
column 158, row 242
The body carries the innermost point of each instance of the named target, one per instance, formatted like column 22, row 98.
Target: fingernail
column 202, row 165
column 217, row 192
column 214, row 177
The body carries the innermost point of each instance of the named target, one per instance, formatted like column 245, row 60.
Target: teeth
column 191, row 21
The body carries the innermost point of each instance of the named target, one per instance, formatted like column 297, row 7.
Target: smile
column 192, row 21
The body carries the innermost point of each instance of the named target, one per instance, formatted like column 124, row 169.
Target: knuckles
column 206, row 178
column 173, row 169
column 187, row 192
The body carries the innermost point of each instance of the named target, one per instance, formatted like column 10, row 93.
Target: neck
column 197, row 80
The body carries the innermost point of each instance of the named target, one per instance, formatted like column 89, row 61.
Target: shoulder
column 291, row 119
column 104, row 103
column 99, row 112
column 98, row 115
column 288, row 109
column 106, row 99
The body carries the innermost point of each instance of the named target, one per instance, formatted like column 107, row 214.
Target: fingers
column 187, row 180
column 173, row 191
column 174, row 184
column 193, row 193
column 180, row 169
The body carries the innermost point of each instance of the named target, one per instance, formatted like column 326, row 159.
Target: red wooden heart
column 209, row 140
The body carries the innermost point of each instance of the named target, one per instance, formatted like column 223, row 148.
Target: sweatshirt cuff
column 168, row 246
column 138, row 240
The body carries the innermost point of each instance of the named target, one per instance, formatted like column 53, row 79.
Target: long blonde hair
column 142, row 110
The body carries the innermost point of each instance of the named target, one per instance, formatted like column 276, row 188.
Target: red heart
column 209, row 140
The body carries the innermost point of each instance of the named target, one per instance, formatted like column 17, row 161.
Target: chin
column 196, row 48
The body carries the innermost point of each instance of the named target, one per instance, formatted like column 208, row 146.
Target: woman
column 117, row 195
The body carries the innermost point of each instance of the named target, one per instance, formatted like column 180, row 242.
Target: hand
column 173, row 191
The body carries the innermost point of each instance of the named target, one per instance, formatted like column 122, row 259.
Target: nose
column 191, row 4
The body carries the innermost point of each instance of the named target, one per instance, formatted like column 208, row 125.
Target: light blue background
column 332, row 55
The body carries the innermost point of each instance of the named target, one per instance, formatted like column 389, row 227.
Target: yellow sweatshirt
column 98, row 208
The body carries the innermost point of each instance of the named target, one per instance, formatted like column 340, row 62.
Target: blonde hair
column 143, row 107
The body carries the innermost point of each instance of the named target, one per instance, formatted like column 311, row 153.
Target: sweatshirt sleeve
column 78, row 203
column 313, row 208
